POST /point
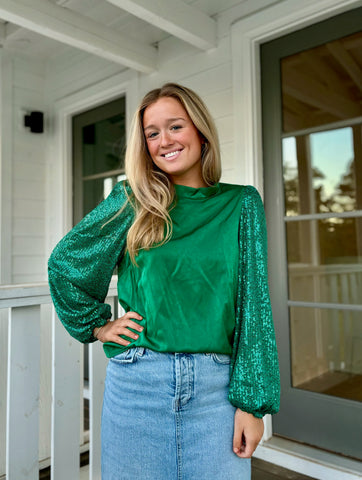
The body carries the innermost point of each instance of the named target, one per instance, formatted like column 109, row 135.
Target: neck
column 191, row 182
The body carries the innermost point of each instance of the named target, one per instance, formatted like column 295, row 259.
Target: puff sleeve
column 80, row 267
column 254, row 374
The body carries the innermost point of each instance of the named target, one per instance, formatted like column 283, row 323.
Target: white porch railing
column 22, row 306
column 65, row 424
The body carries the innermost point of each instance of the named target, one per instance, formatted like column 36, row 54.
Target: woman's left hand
column 248, row 431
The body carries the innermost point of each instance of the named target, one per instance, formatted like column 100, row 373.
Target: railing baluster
column 23, row 393
column 66, row 403
column 97, row 373
column 98, row 364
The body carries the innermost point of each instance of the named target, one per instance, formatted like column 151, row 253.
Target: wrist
column 97, row 331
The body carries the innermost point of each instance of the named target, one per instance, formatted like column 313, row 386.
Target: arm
column 254, row 375
column 80, row 267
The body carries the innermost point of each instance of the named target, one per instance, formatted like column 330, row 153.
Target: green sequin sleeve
column 80, row 267
column 254, row 375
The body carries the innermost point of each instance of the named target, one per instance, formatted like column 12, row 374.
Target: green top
column 185, row 290
column 205, row 290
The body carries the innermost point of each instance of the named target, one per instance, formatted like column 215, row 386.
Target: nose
column 166, row 138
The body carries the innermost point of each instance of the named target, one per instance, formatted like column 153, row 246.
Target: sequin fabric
column 81, row 266
column 254, row 372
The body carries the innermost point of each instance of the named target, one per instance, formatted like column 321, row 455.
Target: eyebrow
column 170, row 120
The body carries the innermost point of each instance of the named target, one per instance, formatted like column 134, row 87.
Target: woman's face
column 173, row 141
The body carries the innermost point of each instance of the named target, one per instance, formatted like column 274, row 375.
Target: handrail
column 25, row 354
column 20, row 295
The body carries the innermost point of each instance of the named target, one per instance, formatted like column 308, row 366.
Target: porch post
column 22, row 429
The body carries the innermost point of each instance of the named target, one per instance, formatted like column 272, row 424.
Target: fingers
column 112, row 331
column 134, row 315
column 248, row 431
column 238, row 446
column 249, row 448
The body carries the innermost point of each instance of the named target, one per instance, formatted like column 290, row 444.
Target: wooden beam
column 78, row 31
column 308, row 90
column 175, row 17
column 323, row 71
column 12, row 31
column 347, row 61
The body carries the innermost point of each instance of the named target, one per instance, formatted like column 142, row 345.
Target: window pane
column 94, row 191
column 321, row 171
column 104, row 145
column 326, row 349
column 325, row 260
column 321, row 86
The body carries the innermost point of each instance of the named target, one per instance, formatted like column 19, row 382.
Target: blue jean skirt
column 167, row 417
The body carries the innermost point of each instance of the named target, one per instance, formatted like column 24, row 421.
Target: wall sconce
column 35, row 121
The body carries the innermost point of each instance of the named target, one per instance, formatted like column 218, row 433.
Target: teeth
column 171, row 154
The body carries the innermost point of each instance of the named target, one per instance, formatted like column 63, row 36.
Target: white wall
column 28, row 175
column 23, row 200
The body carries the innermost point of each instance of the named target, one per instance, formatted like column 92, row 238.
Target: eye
column 176, row 127
column 152, row 135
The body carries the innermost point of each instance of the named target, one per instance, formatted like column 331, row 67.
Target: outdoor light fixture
column 35, row 121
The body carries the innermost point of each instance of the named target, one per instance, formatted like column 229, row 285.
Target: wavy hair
column 152, row 190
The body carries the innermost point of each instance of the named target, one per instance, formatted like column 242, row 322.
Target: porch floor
column 267, row 471
column 261, row 471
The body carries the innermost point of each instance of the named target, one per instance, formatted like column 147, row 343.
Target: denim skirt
column 167, row 417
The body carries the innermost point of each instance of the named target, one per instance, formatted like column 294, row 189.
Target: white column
column 22, row 429
column 66, row 414
column 97, row 373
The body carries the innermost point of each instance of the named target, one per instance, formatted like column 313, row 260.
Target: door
column 312, row 113
column 99, row 143
column 99, row 139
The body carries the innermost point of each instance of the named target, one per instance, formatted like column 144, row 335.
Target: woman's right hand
column 111, row 331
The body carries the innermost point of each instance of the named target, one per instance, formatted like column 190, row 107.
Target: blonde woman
column 193, row 364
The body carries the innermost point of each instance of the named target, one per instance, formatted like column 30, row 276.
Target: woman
column 193, row 364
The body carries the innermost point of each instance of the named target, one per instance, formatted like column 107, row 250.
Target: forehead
column 163, row 109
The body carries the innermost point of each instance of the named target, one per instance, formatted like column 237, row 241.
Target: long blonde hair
column 152, row 190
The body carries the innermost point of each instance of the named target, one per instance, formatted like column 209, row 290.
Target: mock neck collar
column 182, row 191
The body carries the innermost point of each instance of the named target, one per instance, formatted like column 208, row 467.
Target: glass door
column 312, row 125
column 99, row 139
column 99, row 143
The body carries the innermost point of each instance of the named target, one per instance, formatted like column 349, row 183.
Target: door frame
column 246, row 36
column 60, row 145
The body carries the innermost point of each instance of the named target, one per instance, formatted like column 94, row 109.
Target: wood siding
column 28, row 172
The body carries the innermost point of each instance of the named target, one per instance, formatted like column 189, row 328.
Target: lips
column 171, row 155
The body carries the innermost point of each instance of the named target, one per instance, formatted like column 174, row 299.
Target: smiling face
column 174, row 142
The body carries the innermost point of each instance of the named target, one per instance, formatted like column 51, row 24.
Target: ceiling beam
column 175, row 17
column 12, row 30
column 78, row 31
column 309, row 90
column 323, row 72
column 347, row 61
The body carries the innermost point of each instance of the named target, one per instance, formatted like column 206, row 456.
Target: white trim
column 77, row 30
column 320, row 216
column 177, row 18
column 309, row 461
column 6, row 152
column 246, row 37
column 97, row 94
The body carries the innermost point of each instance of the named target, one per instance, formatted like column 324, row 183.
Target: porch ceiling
column 123, row 31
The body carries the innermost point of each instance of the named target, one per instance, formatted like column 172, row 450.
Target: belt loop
column 140, row 351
